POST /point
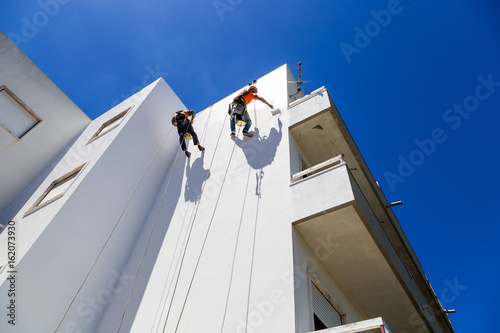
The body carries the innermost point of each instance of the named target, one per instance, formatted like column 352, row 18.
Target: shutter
column 324, row 310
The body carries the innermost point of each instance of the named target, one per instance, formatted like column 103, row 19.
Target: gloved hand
column 175, row 124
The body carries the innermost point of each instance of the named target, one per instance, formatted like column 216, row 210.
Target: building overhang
column 349, row 242
column 353, row 201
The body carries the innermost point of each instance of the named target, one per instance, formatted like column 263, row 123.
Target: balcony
column 370, row 325
column 334, row 194
column 325, row 186
column 330, row 204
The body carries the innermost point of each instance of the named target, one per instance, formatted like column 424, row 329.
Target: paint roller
column 275, row 111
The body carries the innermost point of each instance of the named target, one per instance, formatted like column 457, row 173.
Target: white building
column 37, row 123
column 283, row 232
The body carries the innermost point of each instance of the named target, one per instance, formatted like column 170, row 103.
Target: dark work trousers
column 182, row 131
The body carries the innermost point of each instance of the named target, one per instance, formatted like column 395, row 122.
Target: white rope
column 177, row 244
column 150, row 235
column 235, row 250
column 205, row 239
column 190, row 230
column 251, row 262
column 112, row 231
column 148, row 242
column 170, row 269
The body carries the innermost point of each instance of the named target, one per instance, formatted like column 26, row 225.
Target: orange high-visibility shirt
column 248, row 97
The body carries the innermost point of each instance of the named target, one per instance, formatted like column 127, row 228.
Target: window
column 109, row 125
column 326, row 311
column 55, row 190
column 15, row 117
column 318, row 324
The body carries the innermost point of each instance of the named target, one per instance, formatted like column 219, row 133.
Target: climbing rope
column 205, row 239
column 112, row 231
column 170, row 269
column 235, row 249
column 178, row 240
column 147, row 244
column 190, row 230
column 208, row 231
column 251, row 261
column 151, row 232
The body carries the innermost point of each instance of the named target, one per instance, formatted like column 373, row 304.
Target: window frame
column 314, row 281
column 110, row 124
column 26, row 108
column 40, row 202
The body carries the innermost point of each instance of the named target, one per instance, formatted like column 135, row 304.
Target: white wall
column 147, row 240
column 72, row 251
column 306, row 263
column 201, row 244
column 224, row 259
column 21, row 161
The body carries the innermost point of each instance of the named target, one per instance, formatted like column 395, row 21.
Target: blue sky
column 416, row 81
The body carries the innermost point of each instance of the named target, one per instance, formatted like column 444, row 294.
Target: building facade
column 38, row 122
column 283, row 232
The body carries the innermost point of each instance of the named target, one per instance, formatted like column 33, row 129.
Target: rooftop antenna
column 299, row 82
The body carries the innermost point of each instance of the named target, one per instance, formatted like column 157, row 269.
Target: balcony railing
column 337, row 160
column 306, row 97
column 360, row 326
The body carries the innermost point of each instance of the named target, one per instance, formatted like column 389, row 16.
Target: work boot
column 201, row 148
column 246, row 133
column 188, row 154
column 233, row 134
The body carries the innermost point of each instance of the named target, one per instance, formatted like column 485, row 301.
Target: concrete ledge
column 360, row 326
column 308, row 106
column 330, row 188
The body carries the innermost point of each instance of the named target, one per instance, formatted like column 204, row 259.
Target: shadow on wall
column 136, row 274
column 260, row 150
column 196, row 175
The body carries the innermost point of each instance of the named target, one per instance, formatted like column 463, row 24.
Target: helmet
column 253, row 89
column 181, row 118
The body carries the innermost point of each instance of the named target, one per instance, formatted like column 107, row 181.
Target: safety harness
column 179, row 118
column 239, row 99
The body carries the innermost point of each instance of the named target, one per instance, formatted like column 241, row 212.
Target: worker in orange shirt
column 238, row 110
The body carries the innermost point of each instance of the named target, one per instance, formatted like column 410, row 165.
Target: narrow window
column 15, row 117
column 109, row 125
column 326, row 311
column 55, row 190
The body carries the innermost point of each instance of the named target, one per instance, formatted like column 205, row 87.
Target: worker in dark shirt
column 185, row 128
